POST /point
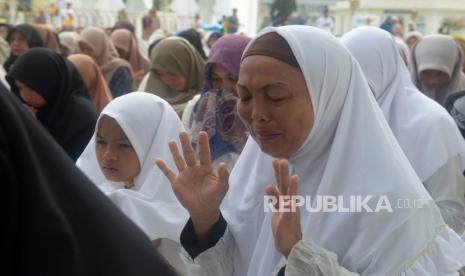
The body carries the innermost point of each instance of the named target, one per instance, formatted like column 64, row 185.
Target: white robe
column 350, row 151
column 427, row 134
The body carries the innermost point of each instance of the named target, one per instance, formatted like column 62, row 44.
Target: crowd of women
column 190, row 142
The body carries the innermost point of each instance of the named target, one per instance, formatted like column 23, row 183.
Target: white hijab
column 149, row 122
column 350, row 151
column 438, row 52
column 423, row 128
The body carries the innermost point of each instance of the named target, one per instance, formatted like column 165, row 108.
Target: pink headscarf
column 93, row 79
column 124, row 40
column 48, row 37
column 102, row 46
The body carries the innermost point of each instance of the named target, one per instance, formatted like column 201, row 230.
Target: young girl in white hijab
column 308, row 102
column 436, row 66
column 131, row 132
column 425, row 131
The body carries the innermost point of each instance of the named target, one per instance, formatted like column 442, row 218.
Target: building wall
column 425, row 15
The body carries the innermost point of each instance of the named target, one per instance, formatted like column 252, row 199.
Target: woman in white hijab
column 425, row 131
column 311, row 105
column 412, row 37
column 436, row 66
column 69, row 43
column 404, row 51
column 130, row 134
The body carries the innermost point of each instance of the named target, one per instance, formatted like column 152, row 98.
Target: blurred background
column 425, row 16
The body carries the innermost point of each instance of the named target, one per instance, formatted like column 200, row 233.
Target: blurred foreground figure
column 56, row 221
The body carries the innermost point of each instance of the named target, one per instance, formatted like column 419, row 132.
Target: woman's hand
column 32, row 110
column 285, row 224
column 198, row 188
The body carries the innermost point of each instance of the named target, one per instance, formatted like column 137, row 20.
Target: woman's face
column 274, row 105
column 18, row 44
column 116, row 156
column 434, row 78
column 29, row 96
column 173, row 81
column 222, row 79
column 122, row 53
column 87, row 50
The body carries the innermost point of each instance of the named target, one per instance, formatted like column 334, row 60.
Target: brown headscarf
column 177, row 56
column 124, row 40
column 98, row 89
column 280, row 50
column 106, row 59
column 48, row 36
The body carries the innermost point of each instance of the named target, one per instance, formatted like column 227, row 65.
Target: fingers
column 188, row 151
column 293, row 185
column 273, row 192
column 166, row 171
column 223, row 176
column 283, row 177
column 178, row 160
column 204, row 149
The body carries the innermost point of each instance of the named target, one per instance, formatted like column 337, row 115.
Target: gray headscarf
column 438, row 52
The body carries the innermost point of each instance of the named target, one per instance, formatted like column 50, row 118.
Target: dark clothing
column 30, row 34
column 455, row 104
column 387, row 26
column 194, row 39
column 56, row 222
column 69, row 115
column 194, row 247
column 233, row 24
column 121, row 82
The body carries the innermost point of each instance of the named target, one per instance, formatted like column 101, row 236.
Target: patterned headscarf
column 216, row 111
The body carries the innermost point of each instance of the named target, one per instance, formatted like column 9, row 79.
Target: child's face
column 116, row 156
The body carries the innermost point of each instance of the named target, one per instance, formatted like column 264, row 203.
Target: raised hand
column 285, row 225
column 198, row 188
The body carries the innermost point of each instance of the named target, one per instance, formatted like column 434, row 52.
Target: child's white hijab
column 149, row 122
column 426, row 132
column 350, row 151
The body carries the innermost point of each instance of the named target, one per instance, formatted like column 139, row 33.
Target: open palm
column 197, row 186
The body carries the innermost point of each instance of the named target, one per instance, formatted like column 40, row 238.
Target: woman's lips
column 266, row 136
column 110, row 170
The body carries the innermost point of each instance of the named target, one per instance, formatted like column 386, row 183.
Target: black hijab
column 56, row 222
column 30, row 34
column 193, row 37
column 69, row 114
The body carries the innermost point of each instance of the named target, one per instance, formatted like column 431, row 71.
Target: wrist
column 204, row 223
column 292, row 245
